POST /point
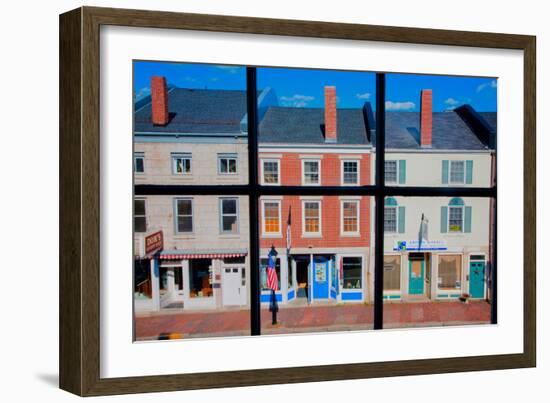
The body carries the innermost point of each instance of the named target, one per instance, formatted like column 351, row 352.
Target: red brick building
column 323, row 241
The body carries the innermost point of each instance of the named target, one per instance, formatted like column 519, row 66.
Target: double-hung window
column 229, row 220
column 350, row 217
column 140, row 217
column 350, row 172
column 312, row 217
column 311, row 172
column 184, row 215
column 181, row 163
column 139, row 163
column 456, row 218
column 271, row 217
column 390, row 219
column 270, row 172
column 227, row 164
column 457, row 172
column 390, row 171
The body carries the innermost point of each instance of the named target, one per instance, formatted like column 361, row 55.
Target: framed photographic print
column 250, row 201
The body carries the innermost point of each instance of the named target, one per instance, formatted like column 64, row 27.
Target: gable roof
column 196, row 111
column 306, row 126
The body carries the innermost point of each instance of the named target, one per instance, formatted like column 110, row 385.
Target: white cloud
column 229, row 69
column 399, row 106
column 364, row 95
column 452, row 101
column 296, row 100
column 491, row 84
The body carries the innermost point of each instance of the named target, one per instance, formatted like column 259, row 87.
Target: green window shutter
column 402, row 171
column 445, row 172
column 443, row 219
column 401, row 220
column 469, row 171
column 468, row 219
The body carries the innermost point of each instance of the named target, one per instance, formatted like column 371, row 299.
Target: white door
column 232, row 283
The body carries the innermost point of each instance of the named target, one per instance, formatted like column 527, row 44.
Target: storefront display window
column 200, row 278
column 352, row 268
column 449, row 272
column 392, row 273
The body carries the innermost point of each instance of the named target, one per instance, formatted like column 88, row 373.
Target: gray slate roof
column 449, row 132
column 305, row 126
column 197, row 111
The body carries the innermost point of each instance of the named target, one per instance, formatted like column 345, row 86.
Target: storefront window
column 142, row 279
column 263, row 273
column 392, row 273
column 200, row 278
column 352, row 268
column 449, row 272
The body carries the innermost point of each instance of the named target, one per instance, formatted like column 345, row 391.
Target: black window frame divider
column 379, row 191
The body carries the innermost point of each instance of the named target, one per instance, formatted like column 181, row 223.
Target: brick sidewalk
column 310, row 319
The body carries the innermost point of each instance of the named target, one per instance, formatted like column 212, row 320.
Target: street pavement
column 302, row 319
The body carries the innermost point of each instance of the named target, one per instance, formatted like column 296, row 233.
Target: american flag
column 271, row 273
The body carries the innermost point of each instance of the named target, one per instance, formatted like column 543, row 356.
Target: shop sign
column 420, row 245
column 154, row 242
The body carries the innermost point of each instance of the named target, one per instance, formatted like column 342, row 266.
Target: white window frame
column 141, row 156
column 228, row 156
column 358, row 216
column 316, row 160
column 184, row 156
column 396, row 162
column 236, row 215
column 362, row 272
column 463, row 181
column 271, row 234
column 278, row 162
column 396, row 209
column 145, row 215
column 342, row 164
column 177, row 215
column 306, row 234
column 449, row 219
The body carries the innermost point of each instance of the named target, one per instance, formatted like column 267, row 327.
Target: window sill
column 230, row 236
column 306, row 235
column 268, row 235
column 350, row 235
column 184, row 236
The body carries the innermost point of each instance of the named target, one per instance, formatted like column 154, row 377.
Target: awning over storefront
column 219, row 254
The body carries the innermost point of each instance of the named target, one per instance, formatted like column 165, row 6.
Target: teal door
column 477, row 279
column 416, row 276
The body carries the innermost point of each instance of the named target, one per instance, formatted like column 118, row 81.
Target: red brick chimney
column 159, row 101
column 330, row 114
column 426, row 118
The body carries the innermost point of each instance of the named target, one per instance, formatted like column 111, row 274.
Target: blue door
column 416, row 276
column 320, row 276
column 477, row 279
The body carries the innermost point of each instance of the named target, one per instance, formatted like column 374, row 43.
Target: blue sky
column 304, row 87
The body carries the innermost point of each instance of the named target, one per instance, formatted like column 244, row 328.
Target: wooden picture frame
column 80, row 199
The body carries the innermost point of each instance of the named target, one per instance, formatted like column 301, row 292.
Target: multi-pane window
column 456, row 172
column 449, row 272
column 312, row 217
column 229, row 215
column 181, row 164
column 390, row 219
column 272, row 217
column 139, row 163
column 311, row 170
column 184, row 215
column 270, row 172
column 352, row 268
column 350, row 217
column 350, row 172
column 390, row 171
column 140, row 218
column 392, row 273
column 456, row 219
column 227, row 164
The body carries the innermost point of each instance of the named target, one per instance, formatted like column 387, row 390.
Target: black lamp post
column 273, row 307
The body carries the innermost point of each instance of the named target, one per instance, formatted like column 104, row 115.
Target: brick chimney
column 159, row 101
column 426, row 118
column 330, row 114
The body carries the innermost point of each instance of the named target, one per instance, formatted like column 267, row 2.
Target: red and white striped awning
column 200, row 255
